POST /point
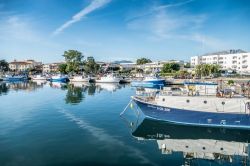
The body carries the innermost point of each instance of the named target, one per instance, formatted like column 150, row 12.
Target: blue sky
column 122, row 29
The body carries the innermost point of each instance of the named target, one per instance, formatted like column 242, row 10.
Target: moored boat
column 15, row 78
column 109, row 78
column 200, row 104
column 39, row 77
column 59, row 78
column 150, row 81
column 80, row 78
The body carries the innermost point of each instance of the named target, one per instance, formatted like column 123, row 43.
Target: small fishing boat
column 39, row 77
column 109, row 78
column 150, row 81
column 80, row 78
column 15, row 78
column 198, row 104
column 59, row 78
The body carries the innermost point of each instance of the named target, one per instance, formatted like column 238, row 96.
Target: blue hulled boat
column 59, row 78
column 15, row 78
column 198, row 105
column 150, row 81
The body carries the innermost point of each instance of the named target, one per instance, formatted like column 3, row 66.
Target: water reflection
column 111, row 87
column 5, row 87
column 74, row 94
column 197, row 145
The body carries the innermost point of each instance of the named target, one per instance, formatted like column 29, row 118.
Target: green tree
column 4, row 66
column 73, row 60
column 206, row 69
column 90, row 66
column 62, row 68
column 170, row 67
column 187, row 65
column 142, row 61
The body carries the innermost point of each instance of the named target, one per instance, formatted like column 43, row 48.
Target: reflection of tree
column 91, row 90
column 74, row 94
column 3, row 89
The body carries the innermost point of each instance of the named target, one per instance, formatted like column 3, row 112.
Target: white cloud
column 160, row 22
column 94, row 5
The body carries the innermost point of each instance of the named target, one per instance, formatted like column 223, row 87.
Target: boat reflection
column 39, row 82
column 5, row 87
column 111, row 87
column 198, row 145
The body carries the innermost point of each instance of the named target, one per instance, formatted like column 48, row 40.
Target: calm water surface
column 46, row 124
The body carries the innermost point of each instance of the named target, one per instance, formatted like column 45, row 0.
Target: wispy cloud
column 155, row 8
column 94, row 5
column 161, row 22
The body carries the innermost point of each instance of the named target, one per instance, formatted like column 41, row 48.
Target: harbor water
column 57, row 124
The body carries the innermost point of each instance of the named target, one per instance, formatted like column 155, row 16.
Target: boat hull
column 149, row 83
column 80, row 80
column 155, row 82
column 194, row 118
column 63, row 79
column 15, row 79
column 108, row 81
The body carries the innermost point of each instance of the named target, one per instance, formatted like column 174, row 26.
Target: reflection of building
column 237, row 60
column 51, row 67
column 23, row 65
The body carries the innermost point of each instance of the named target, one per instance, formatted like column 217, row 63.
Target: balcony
column 244, row 66
column 234, row 66
column 244, row 61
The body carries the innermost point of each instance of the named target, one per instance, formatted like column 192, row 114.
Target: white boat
column 79, row 79
column 110, row 78
column 39, row 77
column 200, row 104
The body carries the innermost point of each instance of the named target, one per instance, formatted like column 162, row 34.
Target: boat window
column 223, row 103
column 203, row 148
column 163, row 99
column 205, row 101
column 187, row 101
column 221, row 148
column 186, row 146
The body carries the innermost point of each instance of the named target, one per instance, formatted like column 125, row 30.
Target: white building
column 51, row 67
column 237, row 60
column 127, row 66
column 23, row 65
column 157, row 66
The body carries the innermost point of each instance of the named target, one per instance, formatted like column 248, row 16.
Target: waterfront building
column 127, row 66
column 158, row 65
column 51, row 67
column 20, row 66
column 233, row 60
